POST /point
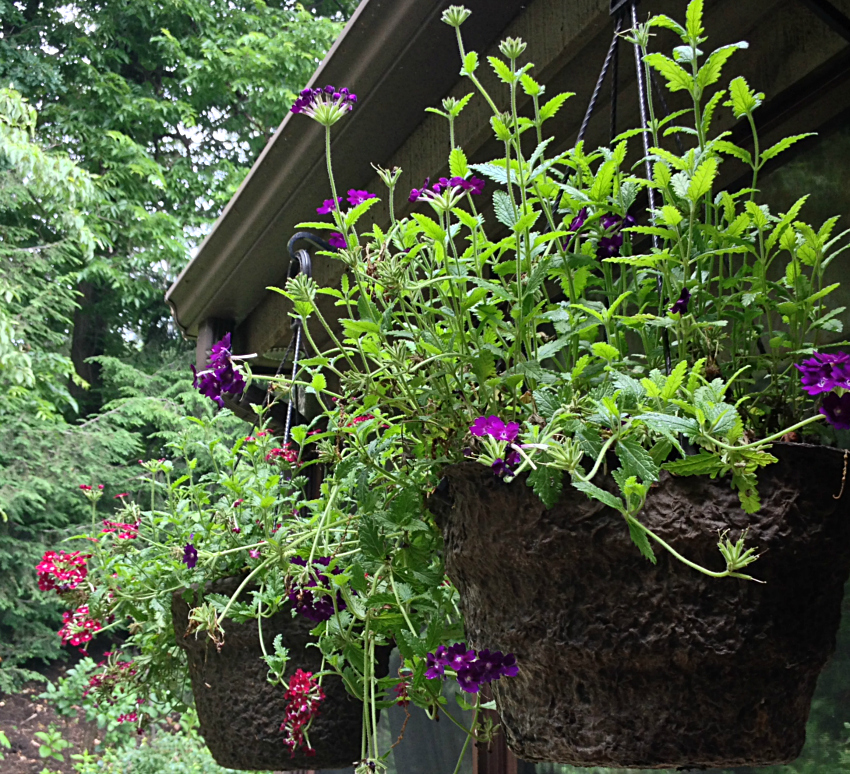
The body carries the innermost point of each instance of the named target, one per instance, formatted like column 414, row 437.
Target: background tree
column 124, row 130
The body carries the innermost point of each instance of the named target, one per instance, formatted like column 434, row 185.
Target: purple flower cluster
column 221, row 377
column 824, row 373
column 337, row 241
column 497, row 429
column 472, row 669
column 475, row 186
column 610, row 245
column 328, row 205
column 315, row 608
column 310, row 99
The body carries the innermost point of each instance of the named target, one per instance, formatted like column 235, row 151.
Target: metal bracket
column 618, row 7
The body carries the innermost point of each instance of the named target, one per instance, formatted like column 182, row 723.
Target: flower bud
column 512, row 48
column 455, row 15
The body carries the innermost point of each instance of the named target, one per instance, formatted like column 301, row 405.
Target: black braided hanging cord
column 619, row 10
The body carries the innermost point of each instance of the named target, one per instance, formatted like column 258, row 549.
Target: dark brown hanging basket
column 240, row 712
column 623, row 663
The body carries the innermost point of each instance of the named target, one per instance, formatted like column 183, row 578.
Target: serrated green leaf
column 636, row 460
column 470, row 63
column 693, row 19
column 371, row 543
column 702, row 464
column 675, row 380
column 702, row 180
column 731, row 149
column 553, row 105
column 677, row 77
column 352, row 217
column 430, row 227
column 783, row 145
column 742, row 99
column 640, row 539
column 547, row 484
column 504, row 209
column 501, row 69
column 596, row 493
column 458, row 166
column 318, row 382
column 709, row 73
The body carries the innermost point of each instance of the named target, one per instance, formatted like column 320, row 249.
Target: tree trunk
column 87, row 341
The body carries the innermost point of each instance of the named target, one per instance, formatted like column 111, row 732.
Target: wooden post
column 497, row 758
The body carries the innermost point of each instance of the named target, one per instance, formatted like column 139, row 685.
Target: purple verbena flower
column 221, row 377
column 436, row 663
column 506, row 467
column 458, row 656
column 610, row 245
column 496, row 428
column 358, row 197
column 316, row 608
column 470, row 668
column 337, row 241
column 328, row 205
column 326, row 105
column 836, row 409
column 468, row 678
column 578, row 221
column 681, row 304
column 417, row 192
column 825, row 372
column 190, row 556
column 254, row 553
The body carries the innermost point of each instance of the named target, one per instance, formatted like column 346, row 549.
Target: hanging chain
column 643, row 98
column 612, row 49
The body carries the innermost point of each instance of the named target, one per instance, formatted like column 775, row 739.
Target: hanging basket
column 240, row 712
column 625, row 663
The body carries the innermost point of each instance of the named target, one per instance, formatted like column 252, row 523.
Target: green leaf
column 670, row 423
column 526, row 222
column 693, row 20
column 504, row 209
column 596, row 493
column 783, row 145
column 605, row 351
column 636, row 460
column 677, row 77
column 502, row 70
column 484, row 366
column 371, row 543
column 640, row 539
column 470, row 63
column 742, row 99
column 361, row 209
column 429, row 227
column 710, row 72
column 733, row 150
column 318, row 382
column 554, row 105
column 702, row 464
column 547, row 484
column 702, row 180
column 458, row 166
column 675, row 380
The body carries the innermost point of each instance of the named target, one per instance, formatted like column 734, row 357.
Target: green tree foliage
column 124, row 129
column 168, row 104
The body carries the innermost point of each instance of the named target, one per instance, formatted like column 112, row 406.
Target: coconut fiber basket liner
column 626, row 663
column 240, row 712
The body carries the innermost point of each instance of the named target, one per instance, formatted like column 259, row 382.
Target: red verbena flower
column 78, row 628
column 285, row 453
column 304, row 696
column 60, row 571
